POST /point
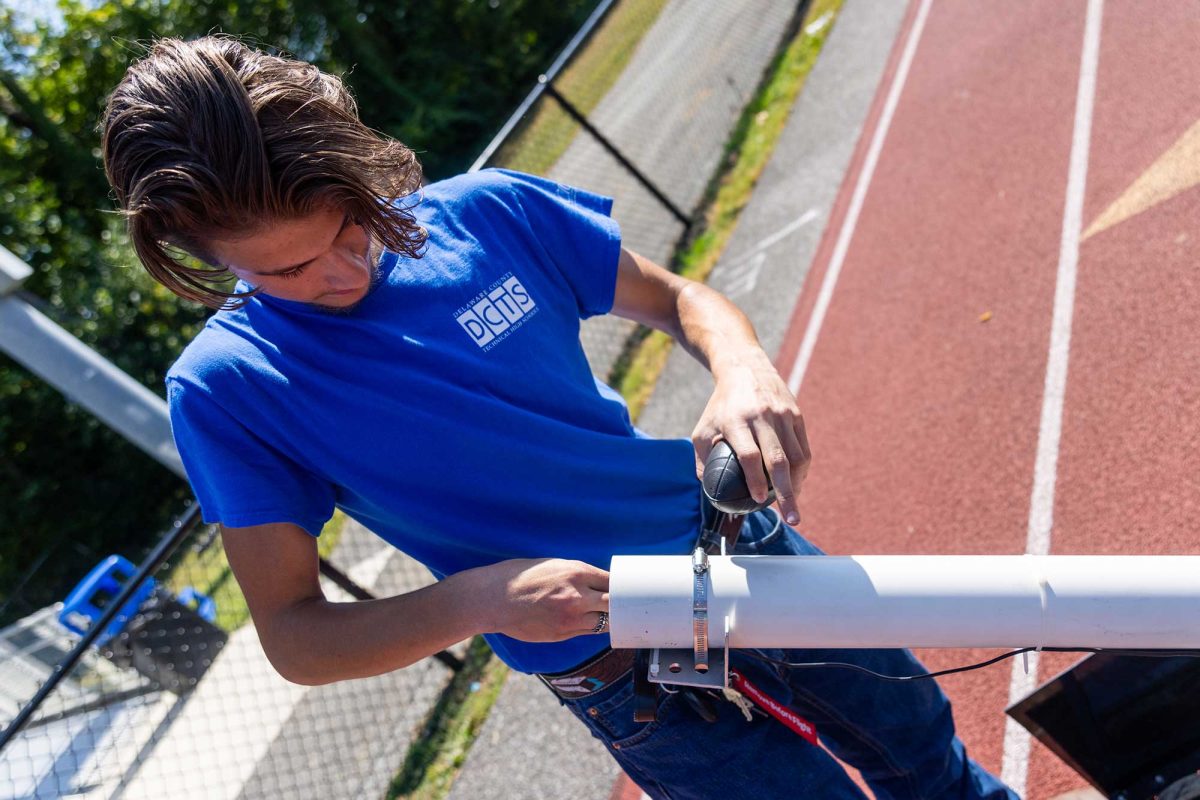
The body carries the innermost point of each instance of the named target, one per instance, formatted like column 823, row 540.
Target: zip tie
column 1044, row 604
column 1044, row 597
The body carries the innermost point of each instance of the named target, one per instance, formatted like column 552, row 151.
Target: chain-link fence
column 176, row 698
column 653, row 138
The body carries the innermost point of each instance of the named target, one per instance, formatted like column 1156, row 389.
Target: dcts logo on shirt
column 494, row 314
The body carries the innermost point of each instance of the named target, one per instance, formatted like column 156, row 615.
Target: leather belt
column 592, row 676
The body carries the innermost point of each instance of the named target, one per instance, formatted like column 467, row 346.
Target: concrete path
column 671, row 113
column 767, row 260
column 531, row 749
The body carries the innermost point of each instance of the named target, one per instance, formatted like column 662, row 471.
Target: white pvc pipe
column 912, row 601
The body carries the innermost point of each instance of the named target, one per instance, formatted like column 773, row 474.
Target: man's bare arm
column 751, row 408
column 311, row 640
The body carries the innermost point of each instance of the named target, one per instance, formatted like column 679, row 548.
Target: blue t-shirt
column 452, row 411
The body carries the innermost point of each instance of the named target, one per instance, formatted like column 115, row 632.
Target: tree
column 440, row 75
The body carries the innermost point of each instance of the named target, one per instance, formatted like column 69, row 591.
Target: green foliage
column 440, row 75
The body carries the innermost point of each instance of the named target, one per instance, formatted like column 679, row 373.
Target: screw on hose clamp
column 694, row 666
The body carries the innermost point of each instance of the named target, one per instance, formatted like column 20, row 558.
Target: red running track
column 924, row 419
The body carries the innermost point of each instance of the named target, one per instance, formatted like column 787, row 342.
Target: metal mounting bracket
column 678, row 666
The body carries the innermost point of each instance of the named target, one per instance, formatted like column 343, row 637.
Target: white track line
column 856, row 203
column 1015, row 769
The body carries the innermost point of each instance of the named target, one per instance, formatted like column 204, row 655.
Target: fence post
column 578, row 116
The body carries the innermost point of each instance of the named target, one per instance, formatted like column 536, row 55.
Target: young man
column 411, row 356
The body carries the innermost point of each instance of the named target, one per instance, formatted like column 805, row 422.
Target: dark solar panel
column 1130, row 725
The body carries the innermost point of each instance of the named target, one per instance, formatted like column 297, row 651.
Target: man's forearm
column 751, row 408
column 317, row 641
column 716, row 332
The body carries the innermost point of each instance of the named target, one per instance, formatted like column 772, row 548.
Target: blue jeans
column 900, row 736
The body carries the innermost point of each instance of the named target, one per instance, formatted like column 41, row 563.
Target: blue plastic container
column 90, row 598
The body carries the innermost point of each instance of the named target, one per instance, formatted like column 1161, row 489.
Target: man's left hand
column 754, row 411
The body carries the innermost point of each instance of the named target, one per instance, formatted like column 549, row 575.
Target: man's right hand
column 545, row 599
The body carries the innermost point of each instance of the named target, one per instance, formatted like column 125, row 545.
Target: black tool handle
column 725, row 483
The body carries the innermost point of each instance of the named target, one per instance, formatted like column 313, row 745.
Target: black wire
column 988, row 663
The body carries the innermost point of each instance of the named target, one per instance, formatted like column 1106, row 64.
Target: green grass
column 548, row 132
column 209, row 572
column 439, row 751
column 746, row 155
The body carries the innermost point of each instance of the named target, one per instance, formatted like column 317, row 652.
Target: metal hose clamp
column 700, row 609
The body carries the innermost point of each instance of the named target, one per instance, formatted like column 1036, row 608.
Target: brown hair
column 213, row 137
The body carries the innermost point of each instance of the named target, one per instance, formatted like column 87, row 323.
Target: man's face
column 324, row 259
